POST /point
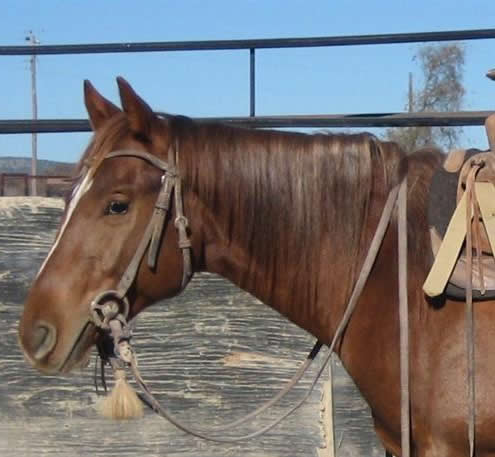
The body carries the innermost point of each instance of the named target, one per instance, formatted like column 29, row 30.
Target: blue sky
column 356, row 79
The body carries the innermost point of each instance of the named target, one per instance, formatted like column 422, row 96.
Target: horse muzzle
column 51, row 352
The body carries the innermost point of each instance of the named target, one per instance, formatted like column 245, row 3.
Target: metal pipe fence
column 463, row 118
column 325, row 120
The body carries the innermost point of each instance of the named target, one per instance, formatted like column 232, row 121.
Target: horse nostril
column 44, row 338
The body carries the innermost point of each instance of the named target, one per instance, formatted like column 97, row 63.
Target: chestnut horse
column 287, row 217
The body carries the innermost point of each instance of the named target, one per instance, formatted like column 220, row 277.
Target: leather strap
column 181, row 223
column 158, row 163
column 448, row 252
column 471, row 200
column 160, row 211
column 405, row 403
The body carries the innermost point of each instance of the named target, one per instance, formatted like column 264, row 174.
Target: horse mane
column 290, row 198
column 422, row 165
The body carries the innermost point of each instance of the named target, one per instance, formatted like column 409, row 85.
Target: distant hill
column 45, row 167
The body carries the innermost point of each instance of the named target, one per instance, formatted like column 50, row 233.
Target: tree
column 442, row 68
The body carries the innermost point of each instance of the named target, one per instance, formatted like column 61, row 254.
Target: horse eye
column 117, row 207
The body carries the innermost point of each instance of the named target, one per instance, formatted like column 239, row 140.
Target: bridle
column 110, row 308
column 171, row 184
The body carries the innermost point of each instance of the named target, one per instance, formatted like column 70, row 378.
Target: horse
column 287, row 217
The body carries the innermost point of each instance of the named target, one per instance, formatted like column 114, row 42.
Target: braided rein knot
column 109, row 311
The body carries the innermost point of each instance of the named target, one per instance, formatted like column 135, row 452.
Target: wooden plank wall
column 210, row 355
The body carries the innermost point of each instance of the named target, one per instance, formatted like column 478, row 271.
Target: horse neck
column 284, row 217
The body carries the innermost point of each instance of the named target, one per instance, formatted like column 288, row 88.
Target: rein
column 471, row 209
column 111, row 316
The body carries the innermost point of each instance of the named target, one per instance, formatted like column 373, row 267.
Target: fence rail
column 270, row 43
column 15, row 184
column 462, row 118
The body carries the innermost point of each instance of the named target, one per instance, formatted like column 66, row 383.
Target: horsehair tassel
column 123, row 402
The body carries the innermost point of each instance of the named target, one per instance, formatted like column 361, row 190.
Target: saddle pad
column 443, row 195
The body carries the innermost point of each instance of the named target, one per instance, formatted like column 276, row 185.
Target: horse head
column 112, row 208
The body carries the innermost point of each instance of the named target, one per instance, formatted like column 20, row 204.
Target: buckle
column 181, row 221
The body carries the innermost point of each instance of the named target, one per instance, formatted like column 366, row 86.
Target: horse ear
column 99, row 108
column 138, row 112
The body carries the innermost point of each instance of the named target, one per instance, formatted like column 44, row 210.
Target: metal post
column 252, row 88
column 34, row 100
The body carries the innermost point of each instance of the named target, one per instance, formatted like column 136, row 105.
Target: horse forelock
column 102, row 143
column 290, row 199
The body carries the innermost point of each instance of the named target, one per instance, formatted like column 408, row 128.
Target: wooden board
column 210, row 355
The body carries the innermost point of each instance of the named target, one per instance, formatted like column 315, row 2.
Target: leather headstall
column 171, row 184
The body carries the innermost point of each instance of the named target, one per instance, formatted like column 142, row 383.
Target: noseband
column 110, row 303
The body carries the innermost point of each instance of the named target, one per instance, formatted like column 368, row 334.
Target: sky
column 337, row 80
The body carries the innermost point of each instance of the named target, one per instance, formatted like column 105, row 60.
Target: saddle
column 457, row 272
column 448, row 224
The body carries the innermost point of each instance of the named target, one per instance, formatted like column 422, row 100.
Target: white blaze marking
column 77, row 194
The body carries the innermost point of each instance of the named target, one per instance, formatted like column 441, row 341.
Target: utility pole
column 410, row 93
column 34, row 100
